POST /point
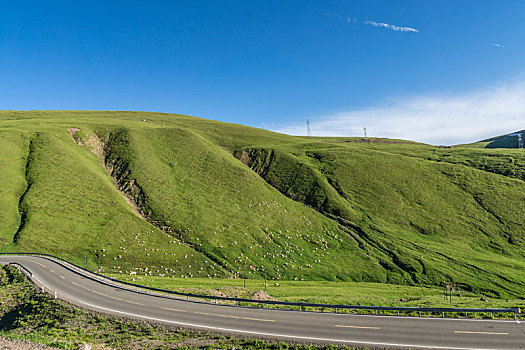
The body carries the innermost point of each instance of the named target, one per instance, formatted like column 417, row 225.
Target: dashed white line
column 219, row 315
column 473, row 332
column 360, row 327
column 272, row 334
column 177, row 310
column 256, row 319
column 292, row 336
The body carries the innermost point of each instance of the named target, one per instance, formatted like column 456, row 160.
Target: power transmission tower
column 308, row 131
column 364, row 131
column 264, row 126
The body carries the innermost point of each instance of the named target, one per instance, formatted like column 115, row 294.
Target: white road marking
column 292, row 336
column 363, row 327
column 257, row 319
column 177, row 310
column 354, row 315
column 423, row 318
column 109, row 296
column 219, row 315
column 42, row 283
column 273, row 334
column 472, row 332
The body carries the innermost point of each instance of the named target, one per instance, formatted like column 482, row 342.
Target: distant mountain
column 512, row 140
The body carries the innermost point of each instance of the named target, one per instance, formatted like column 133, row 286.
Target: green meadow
column 326, row 292
column 152, row 194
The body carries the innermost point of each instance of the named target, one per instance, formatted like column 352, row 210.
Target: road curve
column 88, row 291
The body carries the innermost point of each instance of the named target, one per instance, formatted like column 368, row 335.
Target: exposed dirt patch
column 92, row 142
column 232, row 292
column 245, row 157
column 96, row 146
column 261, row 295
column 257, row 159
column 8, row 344
column 217, row 293
column 72, row 131
column 128, row 191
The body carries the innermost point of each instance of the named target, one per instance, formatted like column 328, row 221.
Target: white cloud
column 497, row 45
column 340, row 16
column 392, row 27
column 437, row 120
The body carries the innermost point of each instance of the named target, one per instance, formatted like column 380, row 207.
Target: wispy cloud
column 341, row 17
column 436, row 120
column 392, row 27
column 372, row 23
column 497, row 45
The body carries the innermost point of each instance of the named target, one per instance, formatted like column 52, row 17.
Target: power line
column 308, row 130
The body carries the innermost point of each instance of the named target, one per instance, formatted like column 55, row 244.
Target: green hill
column 173, row 195
column 512, row 140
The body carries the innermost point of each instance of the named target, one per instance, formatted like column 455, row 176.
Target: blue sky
column 432, row 71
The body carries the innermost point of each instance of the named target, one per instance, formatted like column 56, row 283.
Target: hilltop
column 173, row 195
column 513, row 140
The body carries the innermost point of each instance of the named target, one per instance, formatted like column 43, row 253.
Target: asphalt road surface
column 312, row 327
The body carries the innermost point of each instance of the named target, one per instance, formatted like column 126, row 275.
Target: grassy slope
column 431, row 219
column 445, row 218
column 507, row 162
column 66, row 214
column 225, row 211
column 503, row 141
column 392, row 212
column 14, row 150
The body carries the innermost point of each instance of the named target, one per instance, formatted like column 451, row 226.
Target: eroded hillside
column 180, row 196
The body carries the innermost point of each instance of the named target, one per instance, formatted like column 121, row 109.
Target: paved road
column 353, row 330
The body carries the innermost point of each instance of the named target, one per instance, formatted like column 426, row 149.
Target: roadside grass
column 299, row 208
column 327, row 292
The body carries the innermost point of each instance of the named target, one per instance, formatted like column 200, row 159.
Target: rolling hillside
column 164, row 194
column 512, row 140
